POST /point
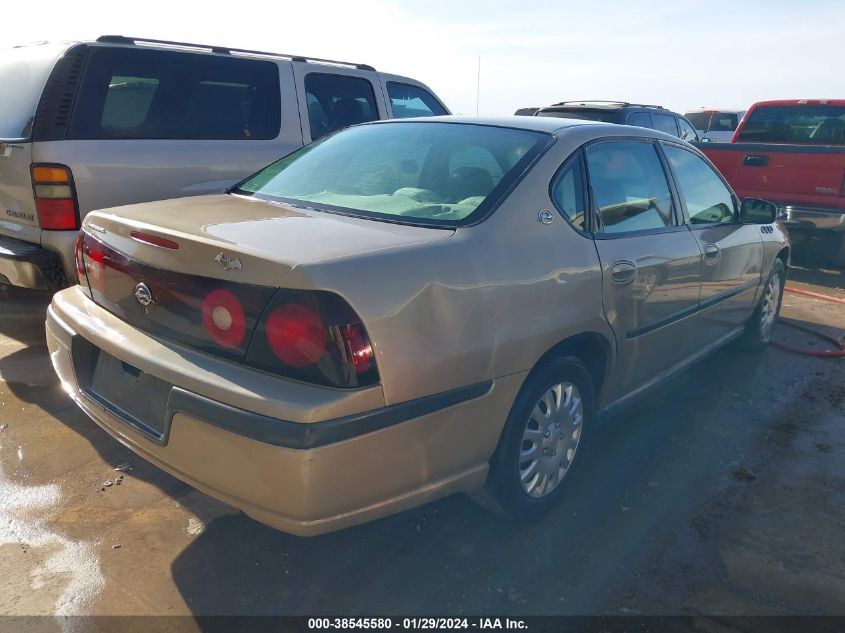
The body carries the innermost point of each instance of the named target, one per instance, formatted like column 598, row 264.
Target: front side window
column 707, row 198
column 411, row 101
column 417, row 172
column 804, row 123
column 150, row 94
column 629, row 186
column 338, row 101
column 568, row 194
column 665, row 123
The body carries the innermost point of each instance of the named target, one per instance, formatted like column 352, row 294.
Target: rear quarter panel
column 485, row 303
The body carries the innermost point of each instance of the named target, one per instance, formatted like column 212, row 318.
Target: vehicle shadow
column 642, row 470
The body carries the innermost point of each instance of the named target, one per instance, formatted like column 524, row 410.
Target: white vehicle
column 715, row 125
column 92, row 125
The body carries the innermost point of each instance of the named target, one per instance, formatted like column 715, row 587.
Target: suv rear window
column 150, row 94
column 814, row 124
column 23, row 74
column 440, row 174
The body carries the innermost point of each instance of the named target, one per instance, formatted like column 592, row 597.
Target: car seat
column 466, row 182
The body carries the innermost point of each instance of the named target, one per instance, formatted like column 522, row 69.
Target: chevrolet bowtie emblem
column 228, row 263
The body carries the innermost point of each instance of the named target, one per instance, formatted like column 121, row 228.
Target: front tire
column 542, row 440
column 758, row 330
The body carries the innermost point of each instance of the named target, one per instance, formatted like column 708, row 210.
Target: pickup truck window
column 799, row 123
column 707, row 198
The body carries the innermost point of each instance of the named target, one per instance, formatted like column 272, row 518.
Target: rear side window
column 338, row 101
column 629, row 186
column 409, row 101
column 708, row 199
column 568, row 193
column 23, row 74
column 149, row 94
column 640, row 119
column 606, row 116
column 815, row 124
column 665, row 123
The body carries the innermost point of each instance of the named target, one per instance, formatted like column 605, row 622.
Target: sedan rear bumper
column 305, row 478
column 29, row 265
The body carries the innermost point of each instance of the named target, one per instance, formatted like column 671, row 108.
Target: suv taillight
column 55, row 197
column 315, row 337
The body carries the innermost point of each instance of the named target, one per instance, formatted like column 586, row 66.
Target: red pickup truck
column 792, row 152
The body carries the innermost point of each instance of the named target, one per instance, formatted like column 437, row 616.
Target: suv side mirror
column 756, row 211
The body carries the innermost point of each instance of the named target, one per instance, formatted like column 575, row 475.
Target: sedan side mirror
column 755, row 211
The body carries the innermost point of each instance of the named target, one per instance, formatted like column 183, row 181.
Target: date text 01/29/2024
column 416, row 623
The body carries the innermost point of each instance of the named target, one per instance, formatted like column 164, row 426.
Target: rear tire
column 542, row 441
column 758, row 330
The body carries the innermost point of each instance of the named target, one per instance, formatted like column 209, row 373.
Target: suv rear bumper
column 800, row 218
column 29, row 265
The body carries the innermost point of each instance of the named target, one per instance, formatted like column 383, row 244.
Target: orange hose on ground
column 807, row 352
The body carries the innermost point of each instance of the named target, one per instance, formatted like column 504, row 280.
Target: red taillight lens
column 358, row 346
column 80, row 262
column 223, row 318
column 297, row 335
column 315, row 337
column 55, row 197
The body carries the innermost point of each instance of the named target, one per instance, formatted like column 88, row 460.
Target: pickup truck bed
column 806, row 179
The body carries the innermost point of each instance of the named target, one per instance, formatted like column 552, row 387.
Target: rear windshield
column 713, row 121
column 813, row 124
column 585, row 115
column 132, row 93
column 439, row 174
column 23, row 74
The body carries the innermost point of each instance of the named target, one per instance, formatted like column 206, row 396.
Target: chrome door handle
column 623, row 272
column 712, row 252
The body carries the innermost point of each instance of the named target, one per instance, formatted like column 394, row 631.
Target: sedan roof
column 535, row 124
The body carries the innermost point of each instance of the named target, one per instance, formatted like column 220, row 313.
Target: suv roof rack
column 225, row 50
column 621, row 104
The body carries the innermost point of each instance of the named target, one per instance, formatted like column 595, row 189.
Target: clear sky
column 676, row 53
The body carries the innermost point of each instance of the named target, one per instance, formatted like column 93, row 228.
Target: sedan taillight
column 315, row 337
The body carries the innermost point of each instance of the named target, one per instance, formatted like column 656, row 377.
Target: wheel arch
column 593, row 349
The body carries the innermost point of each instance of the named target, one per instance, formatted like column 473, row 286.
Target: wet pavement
column 723, row 492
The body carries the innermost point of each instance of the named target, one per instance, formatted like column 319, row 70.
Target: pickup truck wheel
column 542, row 441
column 758, row 330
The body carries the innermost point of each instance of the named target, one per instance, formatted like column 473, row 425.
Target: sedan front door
column 733, row 252
column 651, row 262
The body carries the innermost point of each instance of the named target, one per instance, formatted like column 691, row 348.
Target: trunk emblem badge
column 545, row 216
column 228, row 263
column 143, row 295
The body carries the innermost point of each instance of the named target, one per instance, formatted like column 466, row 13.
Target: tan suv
column 90, row 125
column 405, row 310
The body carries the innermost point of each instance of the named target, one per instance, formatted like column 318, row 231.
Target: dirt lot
column 721, row 493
